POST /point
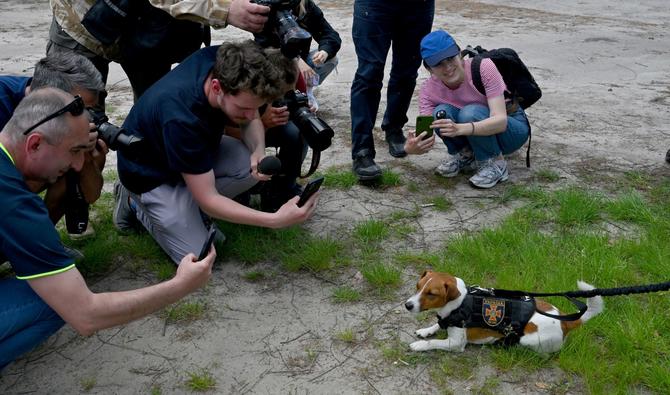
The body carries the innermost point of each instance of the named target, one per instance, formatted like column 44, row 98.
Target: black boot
column 365, row 167
column 396, row 141
column 667, row 156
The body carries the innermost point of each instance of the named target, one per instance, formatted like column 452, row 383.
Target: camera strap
column 316, row 158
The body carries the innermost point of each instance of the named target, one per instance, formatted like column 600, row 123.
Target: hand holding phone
column 310, row 189
column 208, row 243
column 423, row 123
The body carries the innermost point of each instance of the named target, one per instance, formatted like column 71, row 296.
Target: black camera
column 114, row 136
column 316, row 131
column 293, row 40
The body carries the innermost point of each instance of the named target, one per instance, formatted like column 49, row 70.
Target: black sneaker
column 396, row 140
column 667, row 156
column 365, row 167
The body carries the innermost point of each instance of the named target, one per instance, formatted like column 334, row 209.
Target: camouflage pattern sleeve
column 209, row 12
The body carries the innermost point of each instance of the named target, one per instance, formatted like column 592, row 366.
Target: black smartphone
column 423, row 125
column 208, row 243
column 310, row 189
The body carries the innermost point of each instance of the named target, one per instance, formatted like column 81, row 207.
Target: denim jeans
column 486, row 147
column 378, row 26
column 25, row 320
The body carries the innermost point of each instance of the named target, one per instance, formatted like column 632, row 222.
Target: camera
column 316, row 131
column 114, row 136
column 293, row 40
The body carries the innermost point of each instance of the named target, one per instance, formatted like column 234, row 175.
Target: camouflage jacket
column 69, row 14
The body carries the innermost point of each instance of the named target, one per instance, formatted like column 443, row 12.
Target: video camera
column 293, row 40
column 316, row 131
column 114, row 136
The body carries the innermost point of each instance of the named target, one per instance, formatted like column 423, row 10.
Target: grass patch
column 346, row 336
column 254, row 276
column 346, row 295
column 185, row 312
column 380, row 275
column 371, row 231
column 339, row 178
column 547, row 175
column 441, row 203
column 200, row 381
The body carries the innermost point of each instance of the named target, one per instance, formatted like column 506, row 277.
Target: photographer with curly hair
column 189, row 170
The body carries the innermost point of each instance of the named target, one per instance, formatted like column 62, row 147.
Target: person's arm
column 494, row 124
column 88, row 312
column 324, row 34
column 253, row 136
column 217, row 13
column 218, row 206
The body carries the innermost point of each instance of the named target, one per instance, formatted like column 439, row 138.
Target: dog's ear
column 424, row 273
column 452, row 290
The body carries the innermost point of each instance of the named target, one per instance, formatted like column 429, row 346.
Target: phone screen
column 310, row 189
column 423, row 125
column 208, row 243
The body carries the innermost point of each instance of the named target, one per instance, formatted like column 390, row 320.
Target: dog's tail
column 595, row 304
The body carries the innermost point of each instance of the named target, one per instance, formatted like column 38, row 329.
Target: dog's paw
column 420, row 345
column 426, row 332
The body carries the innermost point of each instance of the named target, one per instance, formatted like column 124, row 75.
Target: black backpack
column 521, row 86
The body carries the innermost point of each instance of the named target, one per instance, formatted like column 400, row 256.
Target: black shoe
column 667, row 156
column 396, row 141
column 365, row 167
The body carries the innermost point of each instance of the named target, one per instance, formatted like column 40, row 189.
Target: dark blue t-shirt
column 180, row 130
column 28, row 239
column 12, row 91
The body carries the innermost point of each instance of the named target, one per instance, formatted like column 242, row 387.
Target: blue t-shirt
column 180, row 129
column 12, row 91
column 28, row 239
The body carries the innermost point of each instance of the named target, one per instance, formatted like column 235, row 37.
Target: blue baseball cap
column 437, row 46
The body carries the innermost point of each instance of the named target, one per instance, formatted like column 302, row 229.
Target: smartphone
column 208, row 243
column 423, row 125
column 310, row 189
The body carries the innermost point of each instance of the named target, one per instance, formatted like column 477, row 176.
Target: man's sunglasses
column 76, row 108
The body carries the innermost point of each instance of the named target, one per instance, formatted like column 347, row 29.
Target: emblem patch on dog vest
column 493, row 311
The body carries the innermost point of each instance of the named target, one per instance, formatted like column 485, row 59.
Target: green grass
column 346, row 336
column 185, row 312
column 441, row 203
column 339, row 178
column 609, row 238
column 200, row 381
column 346, row 295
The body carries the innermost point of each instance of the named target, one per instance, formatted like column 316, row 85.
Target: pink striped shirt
column 433, row 91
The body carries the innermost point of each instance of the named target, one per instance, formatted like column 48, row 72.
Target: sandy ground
column 604, row 70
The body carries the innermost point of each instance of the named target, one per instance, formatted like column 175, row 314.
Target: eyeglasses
column 76, row 108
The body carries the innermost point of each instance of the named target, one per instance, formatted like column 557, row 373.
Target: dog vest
column 481, row 309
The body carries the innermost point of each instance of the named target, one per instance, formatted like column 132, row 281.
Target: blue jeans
column 486, row 147
column 25, row 320
column 377, row 25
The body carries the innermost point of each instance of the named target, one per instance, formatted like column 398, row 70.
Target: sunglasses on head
column 76, row 108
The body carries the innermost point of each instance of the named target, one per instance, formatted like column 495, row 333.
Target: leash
column 571, row 295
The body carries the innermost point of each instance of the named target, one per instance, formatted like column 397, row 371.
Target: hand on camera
column 275, row 116
column 247, row 16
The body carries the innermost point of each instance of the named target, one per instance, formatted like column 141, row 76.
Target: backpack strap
column 476, row 74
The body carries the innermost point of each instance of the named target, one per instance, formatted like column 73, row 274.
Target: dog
column 447, row 293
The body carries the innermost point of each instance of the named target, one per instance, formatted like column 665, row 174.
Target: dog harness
column 481, row 308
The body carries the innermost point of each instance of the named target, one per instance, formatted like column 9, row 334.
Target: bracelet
column 473, row 128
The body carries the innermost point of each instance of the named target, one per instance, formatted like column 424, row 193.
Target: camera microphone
column 270, row 165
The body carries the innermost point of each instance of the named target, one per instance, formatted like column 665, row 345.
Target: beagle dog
column 490, row 319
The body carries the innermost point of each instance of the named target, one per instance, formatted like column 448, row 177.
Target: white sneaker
column 457, row 163
column 490, row 173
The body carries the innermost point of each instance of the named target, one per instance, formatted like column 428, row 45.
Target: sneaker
column 457, row 163
column 73, row 253
column 365, row 167
column 490, row 173
column 89, row 232
column 124, row 216
column 667, row 156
